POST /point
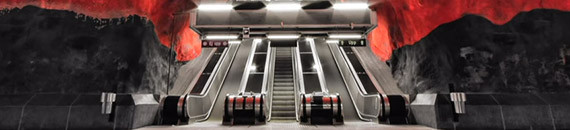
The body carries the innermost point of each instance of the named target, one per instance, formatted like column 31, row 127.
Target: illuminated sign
column 213, row 43
column 359, row 42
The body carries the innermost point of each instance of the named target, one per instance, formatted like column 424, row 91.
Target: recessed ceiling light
column 215, row 7
column 283, row 6
column 350, row 6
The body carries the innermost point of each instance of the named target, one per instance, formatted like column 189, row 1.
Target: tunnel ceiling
column 400, row 22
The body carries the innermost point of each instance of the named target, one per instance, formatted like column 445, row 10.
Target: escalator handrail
column 299, row 86
column 362, row 94
column 268, row 89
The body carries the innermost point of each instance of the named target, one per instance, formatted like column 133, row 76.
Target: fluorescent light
column 221, row 37
column 350, row 6
column 345, row 36
column 234, row 42
column 257, row 40
column 282, row 36
column 332, row 41
column 252, row 67
column 283, row 6
column 215, row 7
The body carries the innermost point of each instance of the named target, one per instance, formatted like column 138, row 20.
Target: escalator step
column 283, row 108
column 283, row 89
column 283, row 118
column 283, row 97
column 283, row 84
column 292, row 103
column 283, row 93
column 283, row 79
column 283, row 113
column 283, row 76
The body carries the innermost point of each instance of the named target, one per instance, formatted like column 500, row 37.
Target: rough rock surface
column 53, row 51
column 526, row 55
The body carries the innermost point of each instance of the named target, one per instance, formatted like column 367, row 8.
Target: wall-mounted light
column 257, row 40
column 234, row 42
column 215, row 7
column 345, row 36
column 252, row 67
column 333, row 41
column 350, row 6
column 283, row 6
column 283, row 36
column 221, row 37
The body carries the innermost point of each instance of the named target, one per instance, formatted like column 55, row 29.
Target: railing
column 299, row 86
column 268, row 89
column 368, row 106
column 199, row 106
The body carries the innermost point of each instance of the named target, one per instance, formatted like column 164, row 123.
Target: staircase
column 283, row 107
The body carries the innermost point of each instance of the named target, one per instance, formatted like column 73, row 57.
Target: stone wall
column 54, row 51
column 529, row 54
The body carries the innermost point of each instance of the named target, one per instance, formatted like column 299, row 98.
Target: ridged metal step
column 283, row 100
column 283, row 118
column 283, row 89
column 283, row 108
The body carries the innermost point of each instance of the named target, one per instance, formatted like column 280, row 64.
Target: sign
column 359, row 42
column 209, row 43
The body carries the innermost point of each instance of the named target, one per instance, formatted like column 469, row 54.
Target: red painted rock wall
column 404, row 22
column 160, row 12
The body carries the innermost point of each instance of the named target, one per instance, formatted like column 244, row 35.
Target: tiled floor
column 290, row 126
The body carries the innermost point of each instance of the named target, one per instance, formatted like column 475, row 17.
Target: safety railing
column 268, row 89
column 299, row 86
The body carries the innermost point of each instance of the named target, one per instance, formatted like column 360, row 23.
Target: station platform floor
column 289, row 126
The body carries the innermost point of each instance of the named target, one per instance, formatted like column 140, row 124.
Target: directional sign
column 358, row 42
column 210, row 43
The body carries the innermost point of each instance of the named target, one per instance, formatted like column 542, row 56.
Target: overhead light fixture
column 345, row 36
column 333, row 41
column 282, row 36
column 257, row 40
column 215, row 7
column 221, row 37
column 252, row 67
column 350, row 6
column 283, row 6
column 234, row 42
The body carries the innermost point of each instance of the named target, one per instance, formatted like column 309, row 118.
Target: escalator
column 369, row 98
column 283, row 97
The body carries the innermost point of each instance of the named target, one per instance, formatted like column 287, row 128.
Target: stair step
column 291, row 97
column 283, row 108
column 283, row 89
column 283, row 83
column 283, row 118
column 284, row 76
column 283, row 114
column 290, row 103
column 283, row 93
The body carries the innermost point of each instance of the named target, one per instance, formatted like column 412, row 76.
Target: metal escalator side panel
column 200, row 106
column 378, row 71
column 367, row 107
column 319, row 66
column 182, row 85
